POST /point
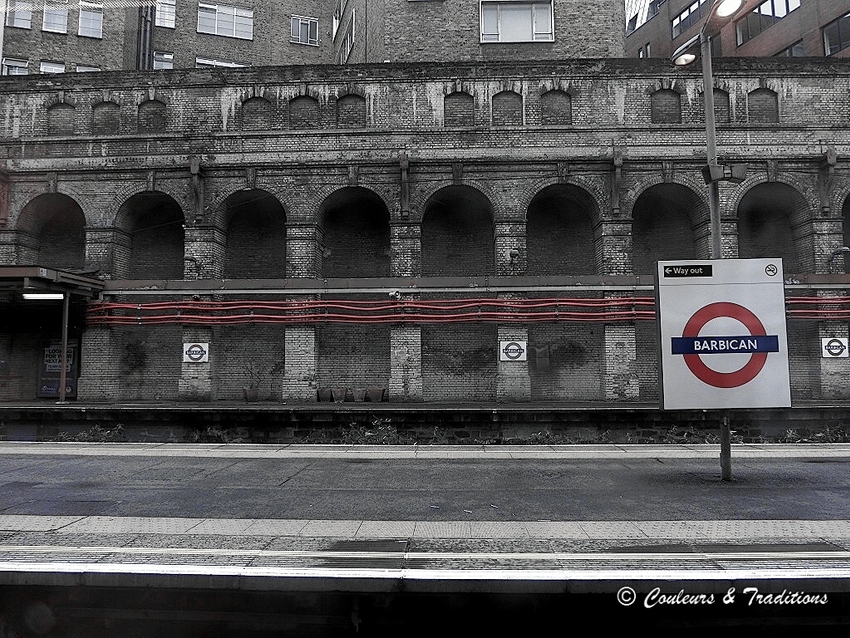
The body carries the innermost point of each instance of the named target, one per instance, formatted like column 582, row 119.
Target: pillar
column 100, row 365
column 195, row 383
column 406, row 363
column 299, row 383
column 204, row 248
column 513, row 382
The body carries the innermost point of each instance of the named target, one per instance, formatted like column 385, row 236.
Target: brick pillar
column 27, row 248
column 299, row 382
column 405, row 363
column 204, row 250
column 621, row 380
column 828, row 235
column 100, row 250
column 195, row 382
column 833, row 370
column 100, row 365
column 513, row 382
column 303, row 250
column 620, row 342
column 406, row 249
column 8, row 256
column 511, row 255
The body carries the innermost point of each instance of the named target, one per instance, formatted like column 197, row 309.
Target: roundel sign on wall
column 723, row 336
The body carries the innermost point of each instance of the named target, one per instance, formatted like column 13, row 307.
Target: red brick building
column 788, row 28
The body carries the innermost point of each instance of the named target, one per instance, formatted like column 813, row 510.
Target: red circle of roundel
column 741, row 376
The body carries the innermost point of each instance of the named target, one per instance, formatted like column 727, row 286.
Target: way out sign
column 723, row 336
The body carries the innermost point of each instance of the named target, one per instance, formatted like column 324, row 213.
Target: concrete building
column 390, row 226
column 65, row 35
column 787, row 28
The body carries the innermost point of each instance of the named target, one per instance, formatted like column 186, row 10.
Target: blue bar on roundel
column 726, row 345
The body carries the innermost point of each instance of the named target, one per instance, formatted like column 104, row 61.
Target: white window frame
column 226, row 20
column 19, row 14
column 91, row 26
column 166, row 14
column 85, row 68
column 210, row 63
column 542, row 30
column 13, row 66
column 347, row 43
column 55, row 18
column 48, row 66
column 162, row 60
column 312, row 25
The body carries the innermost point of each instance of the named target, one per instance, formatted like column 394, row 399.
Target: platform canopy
column 38, row 279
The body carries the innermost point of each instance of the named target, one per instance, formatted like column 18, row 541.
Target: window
column 55, row 16
column 836, row 35
column 19, row 15
column 347, row 42
column 209, row 63
column 796, row 50
column 762, row 17
column 231, row 22
column 163, row 60
column 337, row 18
column 166, row 14
column 84, row 68
column 687, row 18
column 51, row 67
column 305, row 31
column 11, row 66
column 513, row 21
column 91, row 20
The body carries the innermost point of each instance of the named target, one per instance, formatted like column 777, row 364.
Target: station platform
column 799, row 565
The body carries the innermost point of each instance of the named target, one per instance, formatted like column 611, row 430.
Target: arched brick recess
column 61, row 119
column 458, row 110
column 154, row 223
column 762, row 107
column 52, row 227
column 256, row 114
column 663, row 225
column 303, row 112
column 560, row 232
column 106, row 118
column 666, row 107
column 152, row 117
column 556, row 108
column 507, row 109
column 255, row 236
column 351, row 111
column 356, row 229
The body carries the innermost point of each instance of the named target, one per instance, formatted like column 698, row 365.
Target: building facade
column 78, row 35
column 392, row 226
column 786, row 28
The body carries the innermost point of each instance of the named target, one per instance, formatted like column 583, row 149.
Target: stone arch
column 51, row 233
column 152, row 117
column 458, row 109
column 255, row 226
column 303, row 112
column 458, row 233
column 149, row 237
column 354, row 226
column 665, row 107
column 106, row 118
column 775, row 220
column 256, row 114
column 763, row 106
column 351, row 111
column 61, row 119
column 560, row 235
column 669, row 221
column 507, row 109
column 556, row 108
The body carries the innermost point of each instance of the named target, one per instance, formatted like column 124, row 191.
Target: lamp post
column 713, row 173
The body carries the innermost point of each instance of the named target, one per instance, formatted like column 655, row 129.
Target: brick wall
column 459, row 364
column 353, row 356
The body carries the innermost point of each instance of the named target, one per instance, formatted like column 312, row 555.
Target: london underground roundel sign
column 723, row 339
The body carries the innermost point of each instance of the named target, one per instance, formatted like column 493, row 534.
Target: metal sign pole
column 63, row 374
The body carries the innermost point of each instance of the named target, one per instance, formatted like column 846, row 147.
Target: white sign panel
column 196, row 352
column 834, row 348
column 723, row 337
column 513, row 351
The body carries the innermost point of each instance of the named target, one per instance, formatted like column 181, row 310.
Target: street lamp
column 713, row 173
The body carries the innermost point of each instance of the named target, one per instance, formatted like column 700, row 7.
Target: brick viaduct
column 229, row 195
